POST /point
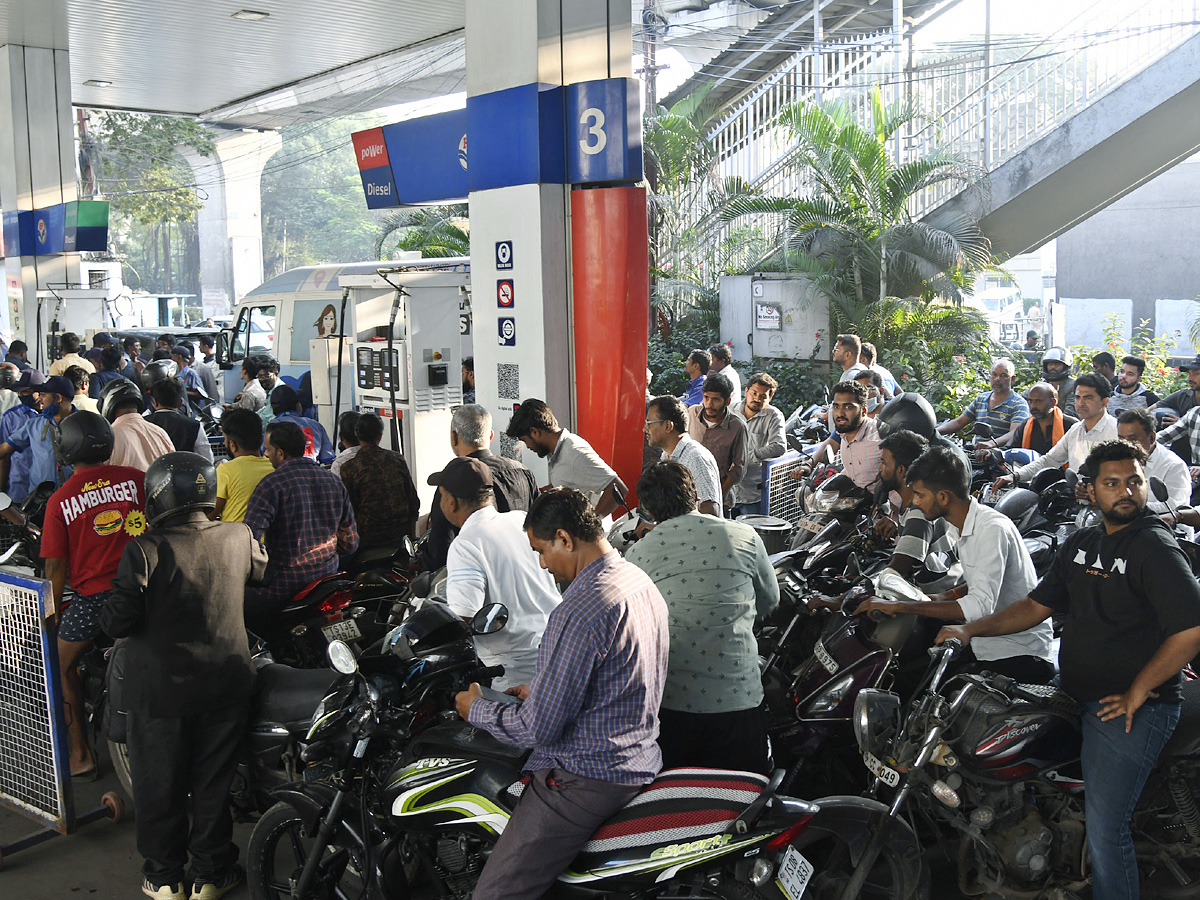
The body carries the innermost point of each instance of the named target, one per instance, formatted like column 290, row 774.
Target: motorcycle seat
column 285, row 695
column 678, row 806
column 1185, row 741
column 374, row 555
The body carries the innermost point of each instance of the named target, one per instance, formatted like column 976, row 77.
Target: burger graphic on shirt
column 108, row 522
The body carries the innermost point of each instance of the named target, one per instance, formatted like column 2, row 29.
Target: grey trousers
column 557, row 815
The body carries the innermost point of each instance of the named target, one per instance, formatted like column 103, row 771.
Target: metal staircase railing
column 986, row 107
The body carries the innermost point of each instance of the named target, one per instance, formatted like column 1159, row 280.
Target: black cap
column 182, row 350
column 464, row 477
column 1193, row 363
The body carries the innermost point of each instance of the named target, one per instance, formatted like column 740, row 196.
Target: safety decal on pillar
column 504, row 293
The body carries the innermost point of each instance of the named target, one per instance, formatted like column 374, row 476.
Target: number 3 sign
column 604, row 132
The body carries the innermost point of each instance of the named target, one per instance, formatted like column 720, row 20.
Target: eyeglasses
column 655, row 421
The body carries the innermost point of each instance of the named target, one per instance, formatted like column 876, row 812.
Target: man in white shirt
column 722, row 362
column 666, row 429
column 1137, row 427
column 994, row 561
column 490, row 562
column 571, row 460
column 1095, row 425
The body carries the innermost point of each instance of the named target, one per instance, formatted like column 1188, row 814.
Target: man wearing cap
column 285, row 403
column 14, row 469
column 302, row 514
column 181, row 353
column 111, row 361
column 38, row 434
column 1176, row 405
column 490, row 562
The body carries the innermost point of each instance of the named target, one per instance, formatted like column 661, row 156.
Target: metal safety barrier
column 34, row 773
column 781, row 489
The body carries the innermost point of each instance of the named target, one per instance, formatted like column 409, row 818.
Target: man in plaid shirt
column 302, row 515
column 591, row 712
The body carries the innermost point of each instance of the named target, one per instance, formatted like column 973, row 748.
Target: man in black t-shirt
column 1131, row 620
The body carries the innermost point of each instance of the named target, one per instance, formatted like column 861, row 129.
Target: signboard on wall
column 768, row 317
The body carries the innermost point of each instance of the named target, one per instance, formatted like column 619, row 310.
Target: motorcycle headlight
column 829, row 502
column 876, row 714
column 829, row 699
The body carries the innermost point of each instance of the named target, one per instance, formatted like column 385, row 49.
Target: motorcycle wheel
column 276, row 855
column 119, row 755
column 830, row 858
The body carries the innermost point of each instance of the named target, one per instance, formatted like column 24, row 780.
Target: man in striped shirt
column 591, row 712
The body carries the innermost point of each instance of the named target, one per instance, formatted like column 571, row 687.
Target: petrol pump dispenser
column 404, row 363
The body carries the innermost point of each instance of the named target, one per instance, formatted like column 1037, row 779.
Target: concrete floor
column 99, row 861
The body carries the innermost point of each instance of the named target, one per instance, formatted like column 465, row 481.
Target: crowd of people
column 623, row 665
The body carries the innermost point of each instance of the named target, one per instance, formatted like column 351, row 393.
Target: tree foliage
column 851, row 228
column 436, row 231
column 313, row 209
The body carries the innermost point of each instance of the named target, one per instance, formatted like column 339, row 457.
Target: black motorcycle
column 989, row 770
column 411, row 791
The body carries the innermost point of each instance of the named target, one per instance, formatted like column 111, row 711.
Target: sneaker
column 163, row 891
column 211, row 890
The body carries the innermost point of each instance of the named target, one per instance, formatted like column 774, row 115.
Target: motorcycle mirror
column 422, row 584
column 490, row 619
column 619, row 493
column 1158, row 489
column 1072, row 480
column 983, row 430
column 410, row 547
column 341, row 657
column 852, row 566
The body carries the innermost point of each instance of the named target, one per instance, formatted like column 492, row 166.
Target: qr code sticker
column 510, row 448
column 509, row 379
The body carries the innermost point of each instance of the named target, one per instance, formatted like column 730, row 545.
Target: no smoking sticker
column 504, row 293
column 508, row 331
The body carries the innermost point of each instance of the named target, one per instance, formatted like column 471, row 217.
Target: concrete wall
column 1142, row 248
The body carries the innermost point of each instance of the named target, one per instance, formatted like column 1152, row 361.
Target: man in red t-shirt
column 89, row 520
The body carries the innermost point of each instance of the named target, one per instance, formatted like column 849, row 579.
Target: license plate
column 887, row 775
column 794, row 874
column 346, row 630
column 828, row 662
column 810, row 527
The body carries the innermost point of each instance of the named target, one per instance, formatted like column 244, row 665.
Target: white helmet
column 1056, row 354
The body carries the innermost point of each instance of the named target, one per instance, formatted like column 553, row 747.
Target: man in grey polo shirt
column 666, row 429
column 571, row 460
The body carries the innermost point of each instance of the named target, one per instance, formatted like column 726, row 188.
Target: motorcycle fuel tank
column 1008, row 740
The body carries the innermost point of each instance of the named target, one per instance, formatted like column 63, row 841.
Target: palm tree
column 852, row 229
column 437, row 231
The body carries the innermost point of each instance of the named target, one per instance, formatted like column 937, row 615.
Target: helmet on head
column 156, row 371
column 907, row 412
column 1057, row 354
column 117, row 393
column 9, row 373
column 434, row 635
column 84, row 437
column 180, row 481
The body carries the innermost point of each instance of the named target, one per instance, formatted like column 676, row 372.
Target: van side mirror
column 223, row 338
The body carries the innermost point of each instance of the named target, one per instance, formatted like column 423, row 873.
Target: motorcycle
column 810, row 695
column 831, row 504
column 413, row 789
column 807, row 425
column 995, row 764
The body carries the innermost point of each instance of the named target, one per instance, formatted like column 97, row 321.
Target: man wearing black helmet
column 89, row 520
column 177, row 600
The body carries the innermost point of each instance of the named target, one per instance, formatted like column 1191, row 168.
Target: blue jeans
column 1115, row 768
